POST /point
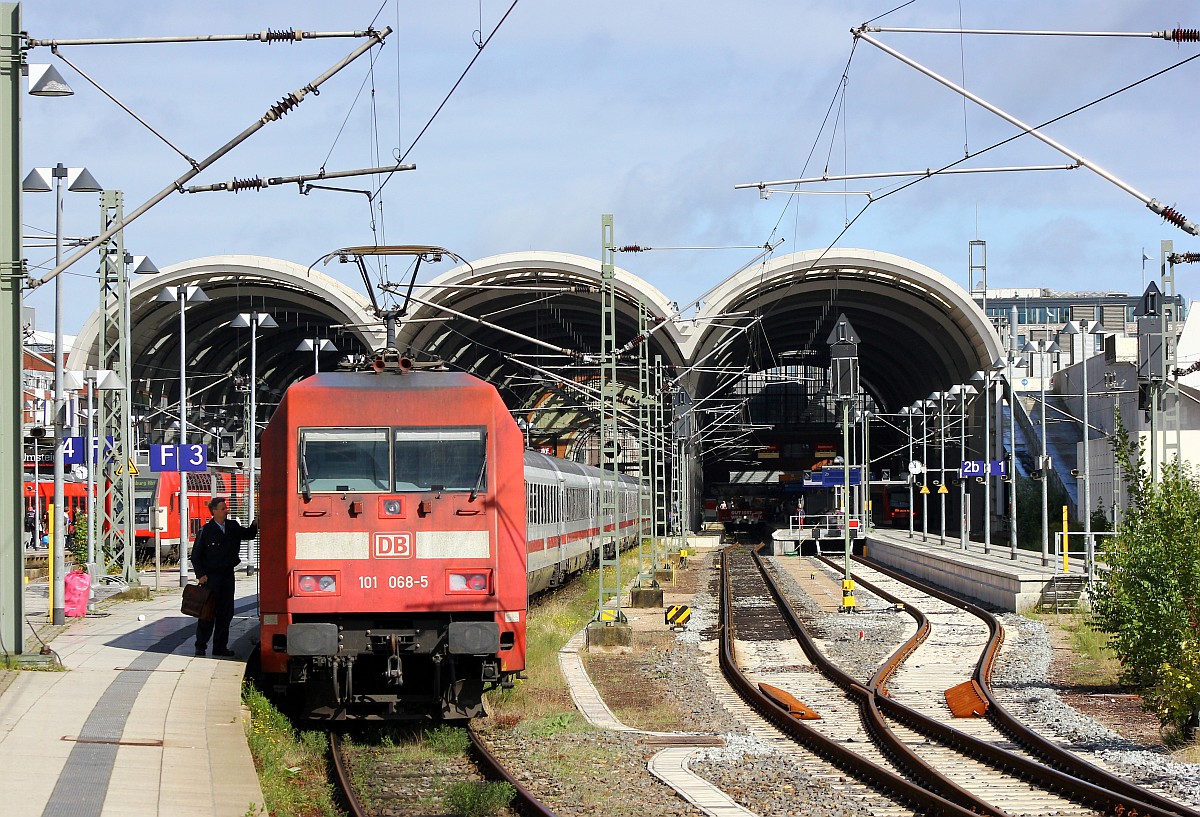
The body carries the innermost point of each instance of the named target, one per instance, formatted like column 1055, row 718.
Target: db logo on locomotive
column 392, row 546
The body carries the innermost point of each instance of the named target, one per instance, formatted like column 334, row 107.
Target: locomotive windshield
column 439, row 459
column 345, row 459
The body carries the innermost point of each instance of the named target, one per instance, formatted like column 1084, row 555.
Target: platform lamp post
column 865, row 479
column 1013, row 361
column 964, row 392
column 986, row 378
column 939, row 398
column 1094, row 328
column 183, row 295
column 843, row 358
column 1042, row 348
column 43, row 180
column 907, row 411
column 252, row 321
column 920, row 408
column 93, row 380
column 316, row 346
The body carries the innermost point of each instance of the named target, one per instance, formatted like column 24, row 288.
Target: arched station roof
column 551, row 296
column 920, row 331
column 304, row 302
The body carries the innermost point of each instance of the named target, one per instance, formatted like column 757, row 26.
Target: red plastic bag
column 75, row 595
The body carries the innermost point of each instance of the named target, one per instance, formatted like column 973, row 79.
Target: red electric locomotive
column 393, row 544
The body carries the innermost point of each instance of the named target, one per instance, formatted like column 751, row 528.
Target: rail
column 526, row 803
column 848, row 761
column 1099, row 788
column 341, row 778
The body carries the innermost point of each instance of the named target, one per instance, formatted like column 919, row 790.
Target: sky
column 651, row 111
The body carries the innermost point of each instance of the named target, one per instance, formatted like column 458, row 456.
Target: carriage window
column 344, row 459
column 440, row 459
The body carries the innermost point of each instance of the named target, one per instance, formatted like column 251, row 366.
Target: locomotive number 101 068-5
column 393, row 582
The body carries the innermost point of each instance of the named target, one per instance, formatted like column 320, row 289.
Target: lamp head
column 44, row 80
column 79, row 180
column 38, row 181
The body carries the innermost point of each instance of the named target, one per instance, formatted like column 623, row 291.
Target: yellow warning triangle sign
column 924, row 489
column 942, row 489
column 133, row 469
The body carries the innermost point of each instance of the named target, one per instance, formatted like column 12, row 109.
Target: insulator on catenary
column 632, row 248
column 283, row 106
column 255, row 183
column 1186, row 258
column 1172, row 215
column 1183, row 35
column 275, row 36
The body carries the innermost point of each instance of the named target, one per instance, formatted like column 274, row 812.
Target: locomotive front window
column 440, row 459
column 344, row 459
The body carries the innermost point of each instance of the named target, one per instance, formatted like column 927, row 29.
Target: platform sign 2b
column 193, row 457
column 980, row 468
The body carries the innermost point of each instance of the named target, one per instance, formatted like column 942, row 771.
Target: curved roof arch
column 551, row 296
column 304, row 302
column 920, row 331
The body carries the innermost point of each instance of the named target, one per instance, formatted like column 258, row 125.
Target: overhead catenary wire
column 453, row 88
column 274, row 113
column 1175, row 35
column 1167, row 212
column 258, row 183
column 812, row 264
column 270, row 35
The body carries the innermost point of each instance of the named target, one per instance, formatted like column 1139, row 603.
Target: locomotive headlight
column 468, row 582
column 308, row 584
column 327, row 583
column 392, row 507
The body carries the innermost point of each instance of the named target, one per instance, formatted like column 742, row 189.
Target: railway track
column 487, row 767
column 892, row 730
column 999, row 727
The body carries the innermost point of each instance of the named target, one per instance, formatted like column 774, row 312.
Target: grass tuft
column 447, row 740
column 292, row 766
column 478, row 799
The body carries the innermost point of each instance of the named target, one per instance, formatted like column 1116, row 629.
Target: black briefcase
column 198, row 602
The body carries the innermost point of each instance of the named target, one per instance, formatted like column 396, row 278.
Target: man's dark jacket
column 215, row 552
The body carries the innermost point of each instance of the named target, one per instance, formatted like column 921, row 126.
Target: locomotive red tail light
column 317, row 584
column 478, row 581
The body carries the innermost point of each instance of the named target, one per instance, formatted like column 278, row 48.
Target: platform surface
column 136, row 725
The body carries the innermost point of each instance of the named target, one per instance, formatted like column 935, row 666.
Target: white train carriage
column 563, row 518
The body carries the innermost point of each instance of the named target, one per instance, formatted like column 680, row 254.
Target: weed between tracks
column 410, row 770
column 292, row 766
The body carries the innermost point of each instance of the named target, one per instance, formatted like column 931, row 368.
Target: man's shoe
column 224, row 653
column 200, row 651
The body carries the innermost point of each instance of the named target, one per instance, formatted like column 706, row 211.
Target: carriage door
column 561, row 522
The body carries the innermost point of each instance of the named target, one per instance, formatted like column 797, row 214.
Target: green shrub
column 478, row 799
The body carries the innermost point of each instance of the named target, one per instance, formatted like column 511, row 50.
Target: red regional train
column 402, row 528
column 162, row 490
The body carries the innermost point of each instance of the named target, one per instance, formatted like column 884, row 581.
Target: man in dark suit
column 214, row 557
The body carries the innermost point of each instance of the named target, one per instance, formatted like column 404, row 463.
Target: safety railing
column 1070, row 547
